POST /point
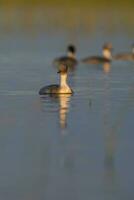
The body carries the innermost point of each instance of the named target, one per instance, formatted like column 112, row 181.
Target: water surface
column 65, row 147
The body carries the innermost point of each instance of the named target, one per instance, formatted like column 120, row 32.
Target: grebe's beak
column 58, row 72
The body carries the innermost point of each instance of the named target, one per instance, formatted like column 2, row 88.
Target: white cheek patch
column 71, row 55
column 107, row 54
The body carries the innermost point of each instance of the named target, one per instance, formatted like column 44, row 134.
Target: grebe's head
column 108, row 46
column 71, row 51
column 107, row 50
column 63, row 68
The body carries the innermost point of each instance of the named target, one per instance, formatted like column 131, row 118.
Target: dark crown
column 71, row 48
column 107, row 46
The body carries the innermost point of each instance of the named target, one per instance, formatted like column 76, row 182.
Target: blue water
column 66, row 147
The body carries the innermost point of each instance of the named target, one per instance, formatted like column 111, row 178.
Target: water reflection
column 60, row 104
column 106, row 67
column 57, row 103
column 63, row 110
column 109, row 136
column 109, row 160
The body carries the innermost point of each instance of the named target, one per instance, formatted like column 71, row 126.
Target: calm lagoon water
column 66, row 147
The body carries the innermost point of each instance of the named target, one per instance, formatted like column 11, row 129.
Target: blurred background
column 85, row 16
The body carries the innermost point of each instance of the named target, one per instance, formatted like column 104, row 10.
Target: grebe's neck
column 71, row 54
column 107, row 54
column 63, row 80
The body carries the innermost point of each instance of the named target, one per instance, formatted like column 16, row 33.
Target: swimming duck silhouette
column 105, row 58
column 70, row 58
column 125, row 56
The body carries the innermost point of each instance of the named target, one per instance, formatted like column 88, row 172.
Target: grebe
column 63, row 87
column 70, row 58
column 125, row 56
column 106, row 58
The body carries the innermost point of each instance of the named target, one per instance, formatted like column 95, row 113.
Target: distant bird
column 105, row 58
column 69, row 59
column 63, row 87
column 125, row 56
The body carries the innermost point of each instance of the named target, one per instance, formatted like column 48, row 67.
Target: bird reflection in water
column 60, row 104
column 106, row 67
column 57, row 103
column 67, row 153
column 64, row 101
